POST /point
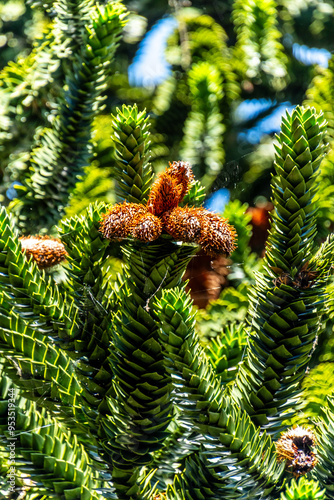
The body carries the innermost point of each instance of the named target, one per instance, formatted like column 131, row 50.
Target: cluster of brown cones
column 163, row 213
column 147, row 222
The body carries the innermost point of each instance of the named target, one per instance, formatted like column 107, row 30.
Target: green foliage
column 236, row 213
column 231, row 307
column 28, row 288
column 298, row 156
column 203, row 128
column 206, row 42
column 87, row 286
column 197, row 98
column 244, row 262
column 64, row 150
column 325, row 219
column 320, row 95
column 256, row 178
column 303, row 490
column 14, row 18
column 45, row 450
column 225, row 351
column 205, row 408
column 143, row 393
column 131, row 137
column 96, row 182
column 316, row 386
column 33, row 310
column 286, row 302
column 25, row 86
column 325, row 430
column 258, row 52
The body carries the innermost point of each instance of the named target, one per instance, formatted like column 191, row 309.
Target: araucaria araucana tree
column 106, row 389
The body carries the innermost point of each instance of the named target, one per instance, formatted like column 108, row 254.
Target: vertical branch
column 286, row 303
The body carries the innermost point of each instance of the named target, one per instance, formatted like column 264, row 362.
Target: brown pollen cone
column 182, row 223
column 146, row 227
column 295, row 446
column 217, row 236
column 117, row 222
column 182, row 173
column 165, row 194
column 45, row 251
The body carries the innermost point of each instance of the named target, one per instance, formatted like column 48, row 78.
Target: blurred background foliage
column 215, row 78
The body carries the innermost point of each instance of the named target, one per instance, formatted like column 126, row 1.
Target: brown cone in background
column 260, row 225
column 295, row 446
column 207, row 277
column 45, row 251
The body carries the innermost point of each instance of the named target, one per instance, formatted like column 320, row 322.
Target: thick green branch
column 287, row 301
column 227, row 430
